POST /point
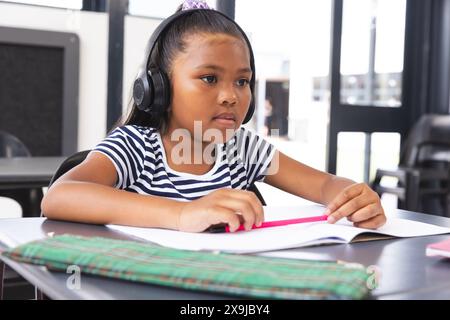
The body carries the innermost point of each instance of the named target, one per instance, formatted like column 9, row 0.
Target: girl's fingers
column 366, row 213
column 255, row 203
column 372, row 223
column 250, row 198
column 240, row 207
column 350, row 207
column 257, row 206
column 224, row 215
column 342, row 198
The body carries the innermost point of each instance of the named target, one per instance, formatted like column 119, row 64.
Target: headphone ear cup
column 161, row 87
column 142, row 91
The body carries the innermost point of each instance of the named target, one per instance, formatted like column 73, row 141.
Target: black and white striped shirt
column 140, row 160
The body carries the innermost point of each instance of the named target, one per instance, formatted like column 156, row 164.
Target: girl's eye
column 209, row 79
column 242, row 82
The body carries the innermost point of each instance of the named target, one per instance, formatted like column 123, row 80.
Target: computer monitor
column 39, row 73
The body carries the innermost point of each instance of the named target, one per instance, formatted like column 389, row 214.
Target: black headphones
column 151, row 89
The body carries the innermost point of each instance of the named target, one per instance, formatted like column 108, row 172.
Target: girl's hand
column 360, row 204
column 233, row 207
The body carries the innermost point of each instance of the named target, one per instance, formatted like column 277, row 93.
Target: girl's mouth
column 226, row 119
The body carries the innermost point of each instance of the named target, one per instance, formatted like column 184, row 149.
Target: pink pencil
column 269, row 224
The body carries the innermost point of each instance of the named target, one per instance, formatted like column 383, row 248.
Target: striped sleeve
column 256, row 153
column 125, row 147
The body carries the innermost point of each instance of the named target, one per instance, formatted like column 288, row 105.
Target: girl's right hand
column 230, row 206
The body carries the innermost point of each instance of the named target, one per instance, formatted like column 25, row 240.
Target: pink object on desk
column 283, row 222
column 441, row 249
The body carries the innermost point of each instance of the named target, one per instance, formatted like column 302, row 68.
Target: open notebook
column 283, row 237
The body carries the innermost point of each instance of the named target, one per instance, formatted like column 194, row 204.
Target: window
column 352, row 159
column 372, row 52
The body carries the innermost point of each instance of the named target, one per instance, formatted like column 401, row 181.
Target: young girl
column 187, row 165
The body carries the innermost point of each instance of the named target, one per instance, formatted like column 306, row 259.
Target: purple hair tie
column 194, row 4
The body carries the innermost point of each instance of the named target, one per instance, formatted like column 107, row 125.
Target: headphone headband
column 151, row 89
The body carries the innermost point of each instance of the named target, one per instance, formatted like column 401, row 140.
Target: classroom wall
column 92, row 29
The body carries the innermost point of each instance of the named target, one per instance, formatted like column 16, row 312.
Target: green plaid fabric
column 241, row 275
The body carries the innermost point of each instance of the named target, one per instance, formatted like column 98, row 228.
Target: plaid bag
column 241, row 275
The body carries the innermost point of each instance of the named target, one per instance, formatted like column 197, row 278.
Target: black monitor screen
column 31, row 96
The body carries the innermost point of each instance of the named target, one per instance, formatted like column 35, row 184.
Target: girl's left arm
column 343, row 197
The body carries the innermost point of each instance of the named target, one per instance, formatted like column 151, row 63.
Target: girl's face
column 210, row 85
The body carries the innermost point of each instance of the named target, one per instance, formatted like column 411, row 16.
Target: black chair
column 71, row 162
column 424, row 170
column 28, row 198
column 11, row 146
column 255, row 190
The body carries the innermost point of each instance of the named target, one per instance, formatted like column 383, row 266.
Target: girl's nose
column 227, row 96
